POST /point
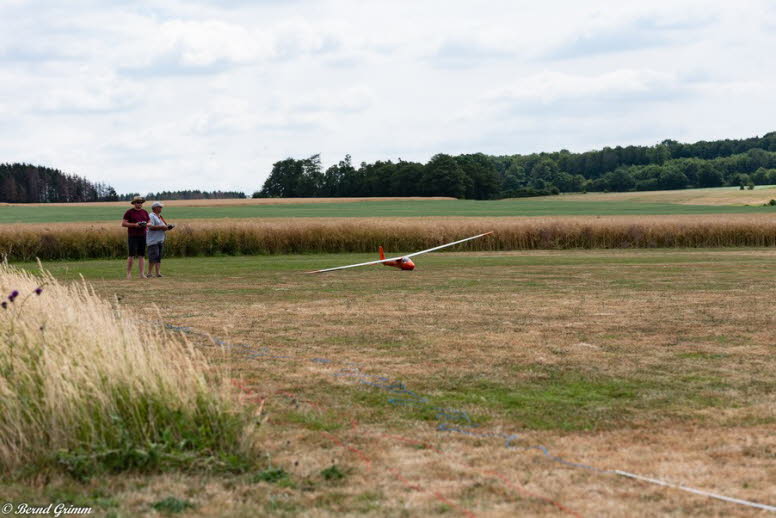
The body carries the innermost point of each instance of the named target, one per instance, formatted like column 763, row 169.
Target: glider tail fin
column 382, row 254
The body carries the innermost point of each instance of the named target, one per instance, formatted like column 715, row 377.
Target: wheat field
column 51, row 241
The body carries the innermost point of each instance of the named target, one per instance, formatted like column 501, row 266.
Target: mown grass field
column 655, row 362
column 724, row 200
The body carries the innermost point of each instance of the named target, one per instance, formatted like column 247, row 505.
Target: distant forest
column 25, row 183
column 186, row 195
column 668, row 165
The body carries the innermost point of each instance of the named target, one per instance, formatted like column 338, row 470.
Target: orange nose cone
column 408, row 265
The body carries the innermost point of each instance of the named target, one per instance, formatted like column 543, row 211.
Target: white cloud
column 226, row 119
column 297, row 37
column 550, row 87
column 179, row 45
column 461, row 53
column 626, row 32
column 349, row 100
column 90, row 91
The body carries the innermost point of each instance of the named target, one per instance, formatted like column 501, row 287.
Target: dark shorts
column 137, row 246
column 155, row 253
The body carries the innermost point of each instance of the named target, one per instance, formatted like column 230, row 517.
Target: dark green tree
column 292, row 178
column 484, row 182
column 708, row 175
column 543, row 173
column 310, row 183
column 334, row 178
column 762, row 176
column 619, row 180
column 442, row 176
column 376, row 178
column 282, row 182
column 672, row 179
column 514, row 177
column 406, row 179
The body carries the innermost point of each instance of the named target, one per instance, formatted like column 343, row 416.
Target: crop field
column 723, row 200
column 400, row 235
column 433, row 392
column 718, row 196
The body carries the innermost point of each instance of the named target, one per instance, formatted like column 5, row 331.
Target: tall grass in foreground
column 85, row 387
column 332, row 235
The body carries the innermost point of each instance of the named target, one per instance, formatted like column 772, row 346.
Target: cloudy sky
column 177, row 94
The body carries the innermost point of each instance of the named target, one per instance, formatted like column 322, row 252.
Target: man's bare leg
column 129, row 267
column 141, row 265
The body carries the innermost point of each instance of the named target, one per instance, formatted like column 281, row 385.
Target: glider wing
column 401, row 256
column 448, row 244
column 359, row 264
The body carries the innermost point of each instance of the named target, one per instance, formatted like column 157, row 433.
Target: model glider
column 402, row 262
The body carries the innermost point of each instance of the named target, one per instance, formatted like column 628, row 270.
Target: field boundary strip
column 409, row 397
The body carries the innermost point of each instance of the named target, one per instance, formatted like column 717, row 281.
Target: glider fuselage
column 405, row 263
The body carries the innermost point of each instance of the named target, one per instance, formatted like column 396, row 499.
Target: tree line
column 26, row 183
column 195, row 194
column 668, row 165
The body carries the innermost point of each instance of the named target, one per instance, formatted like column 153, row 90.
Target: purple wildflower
column 39, row 290
column 13, row 295
column 4, row 304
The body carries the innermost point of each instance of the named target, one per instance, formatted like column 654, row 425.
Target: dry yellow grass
column 81, row 380
column 315, row 235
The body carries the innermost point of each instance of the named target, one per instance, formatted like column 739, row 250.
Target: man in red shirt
column 136, row 219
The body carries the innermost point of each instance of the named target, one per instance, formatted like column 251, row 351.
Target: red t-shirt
column 136, row 216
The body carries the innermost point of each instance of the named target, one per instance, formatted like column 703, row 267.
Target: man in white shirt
column 157, row 228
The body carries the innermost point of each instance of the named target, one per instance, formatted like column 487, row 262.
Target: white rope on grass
column 693, row 490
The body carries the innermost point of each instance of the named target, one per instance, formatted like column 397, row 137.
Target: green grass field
column 657, row 362
column 408, row 208
column 211, row 268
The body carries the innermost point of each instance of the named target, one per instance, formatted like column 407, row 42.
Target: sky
column 208, row 94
